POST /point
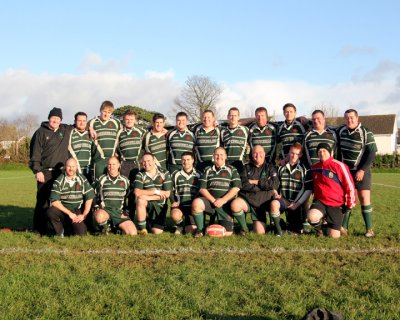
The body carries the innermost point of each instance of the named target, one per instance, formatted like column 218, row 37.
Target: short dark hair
column 318, row 111
column 181, row 114
column 261, row 109
column 129, row 113
column 350, row 111
column 208, row 111
column 234, row 109
column 80, row 113
column 147, row 153
column 187, row 153
column 157, row 116
column 289, row 105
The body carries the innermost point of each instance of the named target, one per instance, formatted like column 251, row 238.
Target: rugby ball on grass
column 216, row 230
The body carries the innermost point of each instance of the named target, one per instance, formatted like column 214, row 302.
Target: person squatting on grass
column 70, row 201
column 185, row 189
column 259, row 181
column 152, row 188
column 112, row 190
column 219, row 185
column 357, row 149
column 334, row 191
column 294, row 190
column 48, row 154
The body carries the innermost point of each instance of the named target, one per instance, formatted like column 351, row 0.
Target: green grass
column 178, row 277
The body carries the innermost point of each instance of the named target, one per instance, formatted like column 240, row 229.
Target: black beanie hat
column 324, row 145
column 55, row 112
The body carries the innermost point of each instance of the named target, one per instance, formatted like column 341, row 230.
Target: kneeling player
column 295, row 188
column 112, row 189
column 259, row 180
column 152, row 189
column 219, row 184
column 334, row 191
column 185, row 190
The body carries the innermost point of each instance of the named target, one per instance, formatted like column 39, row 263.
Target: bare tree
column 26, row 124
column 200, row 93
column 329, row 110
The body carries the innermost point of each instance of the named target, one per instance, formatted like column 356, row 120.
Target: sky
column 76, row 54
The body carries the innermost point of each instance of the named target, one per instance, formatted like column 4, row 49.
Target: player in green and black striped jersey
column 185, row 190
column 234, row 138
column 219, row 185
column 207, row 138
column 294, row 190
column 155, row 140
column 106, row 131
column 179, row 140
column 152, row 188
column 319, row 133
column 130, row 143
column 290, row 131
column 112, row 190
column 265, row 134
column 71, row 200
column 80, row 144
column 357, row 149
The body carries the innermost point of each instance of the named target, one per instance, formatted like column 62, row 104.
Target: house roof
column 8, row 133
column 378, row 124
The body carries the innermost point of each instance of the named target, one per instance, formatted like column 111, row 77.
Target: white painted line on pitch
column 150, row 252
column 386, row 185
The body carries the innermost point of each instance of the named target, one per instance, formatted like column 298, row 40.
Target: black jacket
column 268, row 180
column 49, row 149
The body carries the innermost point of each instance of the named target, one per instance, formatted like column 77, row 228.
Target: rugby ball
column 216, row 230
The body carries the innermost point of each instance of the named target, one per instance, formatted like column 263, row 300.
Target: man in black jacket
column 259, row 180
column 48, row 154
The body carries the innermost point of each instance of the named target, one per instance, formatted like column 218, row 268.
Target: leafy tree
column 200, row 93
column 143, row 116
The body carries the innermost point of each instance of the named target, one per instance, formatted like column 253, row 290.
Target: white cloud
column 93, row 62
column 25, row 92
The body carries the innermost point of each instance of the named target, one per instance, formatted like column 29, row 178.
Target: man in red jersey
column 334, row 191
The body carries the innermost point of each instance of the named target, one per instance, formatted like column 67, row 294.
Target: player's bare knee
column 101, row 216
column 275, row 206
column 314, row 216
column 197, row 205
column 237, row 205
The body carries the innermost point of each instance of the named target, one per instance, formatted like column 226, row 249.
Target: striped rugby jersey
column 156, row 143
column 71, row 192
column 185, row 187
column 353, row 144
column 218, row 181
column 313, row 138
column 130, row 143
column 235, row 142
column 105, row 145
column 206, row 142
column 112, row 192
column 294, row 182
column 288, row 134
column 266, row 137
column 80, row 148
column 179, row 142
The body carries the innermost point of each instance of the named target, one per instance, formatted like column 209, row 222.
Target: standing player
column 179, row 140
column 295, row 189
column 290, row 131
column 219, row 185
column 319, row 133
column 185, row 190
column 71, row 200
column 259, row 180
column 234, row 139
column 106, row 131
column 152, row 189
column 48, row 153
column 207, row 138
column 80, row 144
column 130, row 145
column 264, row 133
column 334, row 191
column 155, row 140
column 112, row 190
column 357, row 150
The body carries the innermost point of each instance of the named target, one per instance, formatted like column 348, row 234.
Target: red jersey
column 333, row 183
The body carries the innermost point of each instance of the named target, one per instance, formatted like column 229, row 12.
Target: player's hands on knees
column 218, row 203
column 39, row 177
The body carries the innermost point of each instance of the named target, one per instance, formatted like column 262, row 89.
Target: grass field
column 178, row 277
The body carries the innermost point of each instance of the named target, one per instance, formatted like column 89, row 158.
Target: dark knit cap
column 324, row 145
column 55, row 112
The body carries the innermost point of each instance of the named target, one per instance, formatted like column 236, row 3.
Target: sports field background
column 178, row 277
